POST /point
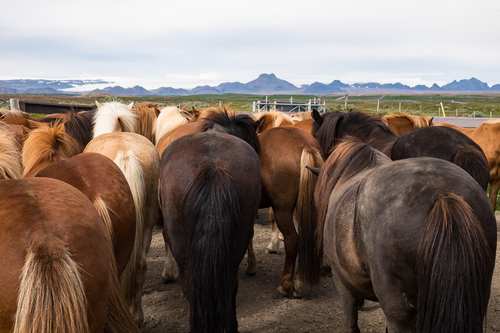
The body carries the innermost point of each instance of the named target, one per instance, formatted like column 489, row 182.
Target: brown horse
column 136, row 156
column 487, row 137
column 217, row 120
column 210, row 193
column 287, row 187
column 56, row 262
column 417, row 235
column 400, row 123
column 432, row 141
column 50, row 152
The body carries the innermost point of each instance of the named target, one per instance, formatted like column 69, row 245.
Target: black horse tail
column 212, row 211
column 309, row 264
column 473, row 160
column 453, row 268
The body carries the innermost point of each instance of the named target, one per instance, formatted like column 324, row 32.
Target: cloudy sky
column 186, row 43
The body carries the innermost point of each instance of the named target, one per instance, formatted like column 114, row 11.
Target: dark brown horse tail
column 473, row 160
column 453, row 266
column 309, row 265
column 213, row 211
column 51, row 293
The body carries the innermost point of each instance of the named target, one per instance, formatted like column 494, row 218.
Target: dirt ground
column 258, row 308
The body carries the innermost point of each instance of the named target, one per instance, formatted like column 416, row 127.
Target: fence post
column 346, row 98
column 378, row 103
column 14, row 104
column 399, row 107
column 253, row 106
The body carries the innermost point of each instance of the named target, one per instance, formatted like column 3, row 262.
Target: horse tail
column 309, row 265
column 51, row 293
column 452, row 268
column 212, row 214
column 473, row 160
column 131, row 167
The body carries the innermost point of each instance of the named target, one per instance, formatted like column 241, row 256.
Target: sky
column 188, row 43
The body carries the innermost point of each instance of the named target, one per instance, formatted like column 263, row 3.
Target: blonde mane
column 274, row 118
column 169, row 119
column 6, row 113
column 114, row 117
column 10, row 157
column 44, row 143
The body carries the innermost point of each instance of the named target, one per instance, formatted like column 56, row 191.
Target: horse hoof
column 250, row 272
column 167, row 279
column 281, row 292
column 271, row 251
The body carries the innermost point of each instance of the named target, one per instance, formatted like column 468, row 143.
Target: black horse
column 210, row 192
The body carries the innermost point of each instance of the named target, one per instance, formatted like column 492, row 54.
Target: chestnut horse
column 433, row 141
column 50, row 152
column 287, row 187
column 56, row 262
column 210, row 193
column 487, row 137
column 400, row 123
column 136, row 156
column 417, row 235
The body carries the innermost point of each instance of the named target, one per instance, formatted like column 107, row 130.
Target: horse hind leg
column 494, row 188
column 284, row 220
column 274, row 245
column 168, row 274
column 251, row 260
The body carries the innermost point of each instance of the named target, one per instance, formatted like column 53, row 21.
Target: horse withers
column 417, row 235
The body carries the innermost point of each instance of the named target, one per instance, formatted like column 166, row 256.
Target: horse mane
column 302, row 115
column 349, row 158
column 417, row 121
column 16, row 113
column 365, row 126
column 147, row 114
column 240, row 125
column 169, row 119
column 79, row 126
column 44, row 143
column 10, row 157
column 277, row 117
column 111, row 115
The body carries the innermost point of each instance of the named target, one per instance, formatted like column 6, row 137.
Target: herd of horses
column 396, row 205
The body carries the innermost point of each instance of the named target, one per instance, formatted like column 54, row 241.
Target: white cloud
column 188, row 43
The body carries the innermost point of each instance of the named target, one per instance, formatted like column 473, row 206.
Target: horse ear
column 313, row 170
column 25, row 132
column 317, row 117
column 430, row 121
column 184, row 108
column 130, row 106
column 98, row 104
column 259, row 122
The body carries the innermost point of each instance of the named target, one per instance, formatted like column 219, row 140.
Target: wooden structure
column 47, row 108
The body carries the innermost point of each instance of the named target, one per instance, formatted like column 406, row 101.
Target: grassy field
column 467, row 105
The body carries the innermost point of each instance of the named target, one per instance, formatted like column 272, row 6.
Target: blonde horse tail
column 119, row 318
column 309, row 263
column 51, row 293
column 131, row 167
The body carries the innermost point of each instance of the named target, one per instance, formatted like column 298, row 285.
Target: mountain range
column 265, row 84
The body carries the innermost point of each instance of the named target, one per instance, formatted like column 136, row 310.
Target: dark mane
column 240, row 125
column 366, row 127
column 79, row 126
column 347, row 159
